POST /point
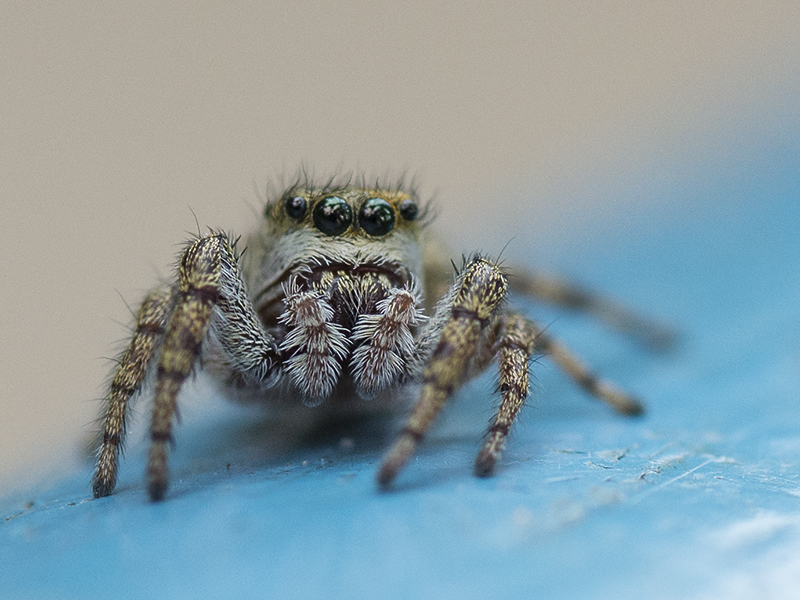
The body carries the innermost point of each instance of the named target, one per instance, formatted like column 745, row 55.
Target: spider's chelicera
column 343, row 299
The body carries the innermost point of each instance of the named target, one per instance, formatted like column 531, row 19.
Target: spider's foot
column 157, row 490
column 484, row 465
column 620, row 401
column 634, row 408
column 157, row 478
column 487, row 458
column 101, row 489
column 105, row 476
column 396, row 458
column 623, row 403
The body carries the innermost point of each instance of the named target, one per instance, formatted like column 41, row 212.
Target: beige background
column 115, row 121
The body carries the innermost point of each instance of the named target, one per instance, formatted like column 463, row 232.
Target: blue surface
column 700, row 498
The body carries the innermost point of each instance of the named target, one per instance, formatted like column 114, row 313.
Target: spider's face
column 356, row 230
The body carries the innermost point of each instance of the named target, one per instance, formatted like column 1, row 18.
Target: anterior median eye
column 332, row 215
column 376, row 217
column 296, row 207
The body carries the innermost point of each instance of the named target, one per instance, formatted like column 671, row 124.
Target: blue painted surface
column 700, row 498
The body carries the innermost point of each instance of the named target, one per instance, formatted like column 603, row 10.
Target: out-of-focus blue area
column 698, row 499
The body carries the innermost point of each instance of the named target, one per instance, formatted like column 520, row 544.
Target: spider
column 342, row 301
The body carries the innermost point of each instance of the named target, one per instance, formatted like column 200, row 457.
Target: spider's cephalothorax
column 341, row 297
column 336, row 276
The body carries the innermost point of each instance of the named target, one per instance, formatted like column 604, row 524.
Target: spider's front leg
column 211, row 294
column 483, row 287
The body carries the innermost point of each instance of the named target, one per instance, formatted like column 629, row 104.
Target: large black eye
column 332, row 215
column 376, row 217
column 408, row 208
column 296, row 207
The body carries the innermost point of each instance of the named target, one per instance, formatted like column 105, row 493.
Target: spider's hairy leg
column 516, row 342
column 618, row 399
column 560, row 293
column 481, row 289
column 198, row 288
column 151, row 319
column 210, row 292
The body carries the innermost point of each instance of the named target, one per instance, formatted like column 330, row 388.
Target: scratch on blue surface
column 661, row 486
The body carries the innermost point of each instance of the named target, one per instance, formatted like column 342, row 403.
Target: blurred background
column 120, row 123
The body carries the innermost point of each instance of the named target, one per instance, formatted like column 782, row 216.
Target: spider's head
column 355, row 228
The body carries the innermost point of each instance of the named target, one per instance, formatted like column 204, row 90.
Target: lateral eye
column 332, row 215
column 296, row 207
column 376, row 217
column 408, row 208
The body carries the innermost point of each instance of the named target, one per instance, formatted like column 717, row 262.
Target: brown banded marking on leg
column 515, row 344
column 198, row 289
column 482, row 289
column 151, row 319
column 619, row 400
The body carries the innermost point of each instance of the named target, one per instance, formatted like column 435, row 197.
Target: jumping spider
column 333, row 306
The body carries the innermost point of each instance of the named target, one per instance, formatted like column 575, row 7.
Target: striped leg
column 515, row 344
column 150, row 322
column 619, row 400
column 208, row 281
column 481, row 290
column 198, row 284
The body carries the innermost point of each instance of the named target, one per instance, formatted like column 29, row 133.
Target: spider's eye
column 408, row 208
column 332, row 215
column 296, row 207
column 376, row 217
